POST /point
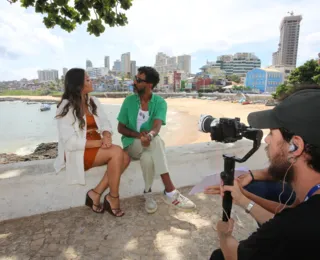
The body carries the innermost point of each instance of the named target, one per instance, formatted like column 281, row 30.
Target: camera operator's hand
column 225, row 228
column 245, row 178
column 237, row 193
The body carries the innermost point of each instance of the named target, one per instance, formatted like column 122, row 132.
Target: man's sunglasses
column 139, row 80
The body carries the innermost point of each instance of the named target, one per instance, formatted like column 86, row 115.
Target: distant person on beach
column 293, row 148
column 140, row 119
column 85, row 141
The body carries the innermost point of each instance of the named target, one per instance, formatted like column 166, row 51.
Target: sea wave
column 26, row 150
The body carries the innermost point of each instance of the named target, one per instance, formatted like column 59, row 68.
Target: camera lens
column 204, row 123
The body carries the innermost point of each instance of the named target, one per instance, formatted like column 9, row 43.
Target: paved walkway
column 78, row 233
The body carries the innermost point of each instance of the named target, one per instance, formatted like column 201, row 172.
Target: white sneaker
column 150, row 204
column 178, row 201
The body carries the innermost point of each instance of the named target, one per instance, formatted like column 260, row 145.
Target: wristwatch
column 250, row 206
column 150, row 136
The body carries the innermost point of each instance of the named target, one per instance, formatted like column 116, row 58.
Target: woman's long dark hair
column 73, row 85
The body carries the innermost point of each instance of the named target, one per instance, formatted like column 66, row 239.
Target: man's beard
column 140, row 92
column 280, row 167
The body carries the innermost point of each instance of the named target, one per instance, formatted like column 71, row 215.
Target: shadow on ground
column 79, row 233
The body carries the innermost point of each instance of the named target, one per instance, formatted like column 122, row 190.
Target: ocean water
column 23, row 126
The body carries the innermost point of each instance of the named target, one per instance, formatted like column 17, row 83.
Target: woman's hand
column 244, row 180
column 106, row 140
column 93, row 143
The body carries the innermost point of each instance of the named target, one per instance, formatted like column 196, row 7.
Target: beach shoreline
column 184, row 111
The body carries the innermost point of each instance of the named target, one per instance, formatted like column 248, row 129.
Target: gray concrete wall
column 32, row 187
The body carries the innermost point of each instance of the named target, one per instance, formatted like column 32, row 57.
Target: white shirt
column 72, row 141
column 143, row 117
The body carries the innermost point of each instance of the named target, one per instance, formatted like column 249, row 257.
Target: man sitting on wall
column 140, row 119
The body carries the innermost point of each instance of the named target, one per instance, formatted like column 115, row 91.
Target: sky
column 203, row 29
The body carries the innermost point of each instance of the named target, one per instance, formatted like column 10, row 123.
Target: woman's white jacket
column 72, row 141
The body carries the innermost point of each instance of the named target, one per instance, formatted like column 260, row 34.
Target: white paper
column 214, row 179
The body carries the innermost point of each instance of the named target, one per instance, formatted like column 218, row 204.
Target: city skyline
column 26, row 46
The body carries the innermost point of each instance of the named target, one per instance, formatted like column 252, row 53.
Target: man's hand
column 225, row 228
column 106, row 140
column 237, row 193
column 245, row 178
column 145, row 139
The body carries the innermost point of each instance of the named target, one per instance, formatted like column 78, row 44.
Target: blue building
column 265, row 80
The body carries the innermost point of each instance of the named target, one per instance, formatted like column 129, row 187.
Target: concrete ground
column 78, row 233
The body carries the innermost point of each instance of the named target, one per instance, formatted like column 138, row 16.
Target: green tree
column 183, row 84
column 282, row 90
column 234, row 78
column 61, row 13
column 308, row 73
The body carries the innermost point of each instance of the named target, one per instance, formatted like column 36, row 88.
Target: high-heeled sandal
column 89, row 202
column 107, row 206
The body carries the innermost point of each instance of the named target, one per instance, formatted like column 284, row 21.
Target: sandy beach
column 186, row 113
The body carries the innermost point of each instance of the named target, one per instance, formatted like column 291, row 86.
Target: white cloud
column 23, row 32
column 175, row 27
column 187, row 26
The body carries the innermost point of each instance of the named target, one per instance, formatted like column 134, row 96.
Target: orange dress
column 90, row 153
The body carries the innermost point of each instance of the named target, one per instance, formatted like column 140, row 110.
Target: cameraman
column 294, row 153
column 262, row 189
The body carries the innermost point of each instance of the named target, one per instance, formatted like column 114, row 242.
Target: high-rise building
column 48, row 75
column 286, row 55
column 117, row 66
column 89, row 64
column 107, row 62
column 125, row 63
column 184, row 63
column 64, row 71
column 133, row 68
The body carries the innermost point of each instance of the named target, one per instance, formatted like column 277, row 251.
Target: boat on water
column 45, row 107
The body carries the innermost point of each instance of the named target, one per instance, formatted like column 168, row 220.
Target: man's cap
column 298, row 113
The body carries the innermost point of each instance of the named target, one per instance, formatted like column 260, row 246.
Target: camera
column 229, row 130
column 226, row 130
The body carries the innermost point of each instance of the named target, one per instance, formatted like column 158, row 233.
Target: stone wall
column 28, row 188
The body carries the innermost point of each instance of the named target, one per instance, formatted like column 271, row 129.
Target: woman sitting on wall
column 85, row 142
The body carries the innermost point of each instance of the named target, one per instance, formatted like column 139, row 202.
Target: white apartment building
column 166, row 65
column 48, row 75
column 95, row 73
column 125, row 63
column 239, row 64
column 184, row 63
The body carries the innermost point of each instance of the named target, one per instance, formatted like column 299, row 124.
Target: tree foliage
column 307, row 74
column 61, row 13
column 241, row 88
column 235, row 78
